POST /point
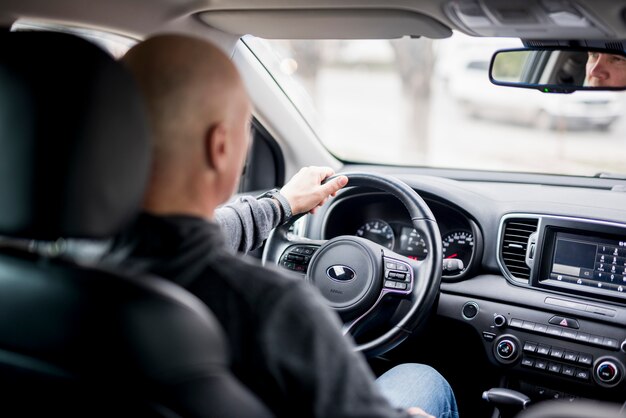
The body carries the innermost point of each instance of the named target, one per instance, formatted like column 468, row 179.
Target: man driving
column 286, row 344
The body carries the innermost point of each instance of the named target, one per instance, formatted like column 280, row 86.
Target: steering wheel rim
column 426, row 274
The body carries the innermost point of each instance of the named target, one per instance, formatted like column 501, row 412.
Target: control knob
column 506, row 349
column 607, row 372
column 499, row 320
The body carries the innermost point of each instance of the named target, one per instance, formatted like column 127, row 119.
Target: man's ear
column 215, row 147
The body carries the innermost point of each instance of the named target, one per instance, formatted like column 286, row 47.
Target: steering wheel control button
column 470, row 310
column 297, row 258
column 564, row 322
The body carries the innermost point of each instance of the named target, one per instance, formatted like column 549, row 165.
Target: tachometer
column 458, row 245
column 377, row 231
column 412, row 244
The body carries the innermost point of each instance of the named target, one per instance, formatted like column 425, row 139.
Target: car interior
column 493, row 250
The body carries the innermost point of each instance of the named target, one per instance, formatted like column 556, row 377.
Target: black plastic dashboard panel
column 486, row 198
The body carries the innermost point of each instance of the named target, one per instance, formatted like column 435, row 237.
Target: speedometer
column 458, row 245
column 377, row 231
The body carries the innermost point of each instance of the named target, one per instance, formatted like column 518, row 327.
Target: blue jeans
column 419, row 385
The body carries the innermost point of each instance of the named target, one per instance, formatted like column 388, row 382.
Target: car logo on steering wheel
column 340, row 273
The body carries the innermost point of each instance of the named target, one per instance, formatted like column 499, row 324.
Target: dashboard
column 382, row 219
column 542, row 286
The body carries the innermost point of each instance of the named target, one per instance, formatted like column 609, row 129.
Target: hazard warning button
column 564, row 322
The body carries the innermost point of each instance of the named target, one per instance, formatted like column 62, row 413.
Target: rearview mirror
column 559, row 70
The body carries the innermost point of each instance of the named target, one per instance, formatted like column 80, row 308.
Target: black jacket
column 286, row 345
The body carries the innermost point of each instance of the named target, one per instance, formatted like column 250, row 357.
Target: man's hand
column 305, row 192
column 418, row 412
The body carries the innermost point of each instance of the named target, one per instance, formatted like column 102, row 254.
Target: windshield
column 420, row 102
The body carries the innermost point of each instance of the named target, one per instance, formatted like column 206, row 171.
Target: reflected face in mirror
column 605, row 70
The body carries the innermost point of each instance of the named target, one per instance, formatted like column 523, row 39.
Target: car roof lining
column 224, row 21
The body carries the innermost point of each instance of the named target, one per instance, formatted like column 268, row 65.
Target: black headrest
column 74, row 143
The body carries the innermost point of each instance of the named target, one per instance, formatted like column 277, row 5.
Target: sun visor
column 326, row 23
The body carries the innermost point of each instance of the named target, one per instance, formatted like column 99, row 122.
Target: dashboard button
column 582, row 336
column 582, row 374
column 554, row 368
column 530, row 346
column 556, row 352
column 544, row 350
column 528, row 325
column 541, row 328
column 488, row 336
column 585, row 359
column 596, row 339
column 528, row 362
column 516, row 323
column 568, row 370
column 570, row 356
column 564, row 322
column 541, row 364
column 611, row 343
column 555, row 331
column 568, row 333
column 470, row 310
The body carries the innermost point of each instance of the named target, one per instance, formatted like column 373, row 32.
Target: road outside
column 395, row 102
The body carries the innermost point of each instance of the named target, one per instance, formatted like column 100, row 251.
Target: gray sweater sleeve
column 247, row 222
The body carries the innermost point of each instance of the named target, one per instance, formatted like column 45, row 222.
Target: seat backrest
column 77, row 340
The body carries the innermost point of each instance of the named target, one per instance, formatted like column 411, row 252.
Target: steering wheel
column 357, row 276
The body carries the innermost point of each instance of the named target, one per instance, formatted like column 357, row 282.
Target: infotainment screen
column 588, row 261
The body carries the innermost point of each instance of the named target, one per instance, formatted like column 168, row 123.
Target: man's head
column 605, row 70
column 200, row 115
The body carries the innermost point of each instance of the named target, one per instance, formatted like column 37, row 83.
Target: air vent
column 514, row 245
column 618, row 46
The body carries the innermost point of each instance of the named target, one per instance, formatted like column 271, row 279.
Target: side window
column 265, row 164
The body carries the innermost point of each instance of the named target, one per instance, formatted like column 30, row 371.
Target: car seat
column 77, row 340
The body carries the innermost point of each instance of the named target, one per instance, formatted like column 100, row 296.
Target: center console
column 557, row 325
